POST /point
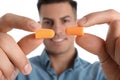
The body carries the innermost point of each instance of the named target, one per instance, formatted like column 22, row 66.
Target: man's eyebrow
column 65, row 17
column 45, row 18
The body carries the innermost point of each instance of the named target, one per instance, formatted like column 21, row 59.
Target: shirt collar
column 77, row 60
column 45, row 60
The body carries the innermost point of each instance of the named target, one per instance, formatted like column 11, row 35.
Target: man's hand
column 109, row 50
column 12, row 54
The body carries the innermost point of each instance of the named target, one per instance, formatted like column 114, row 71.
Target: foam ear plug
column 74, row 30
column 44, row 33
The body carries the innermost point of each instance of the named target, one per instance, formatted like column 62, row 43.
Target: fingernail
column 27, row 69
column 82, row 21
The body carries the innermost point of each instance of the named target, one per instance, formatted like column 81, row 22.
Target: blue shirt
column 81, row 70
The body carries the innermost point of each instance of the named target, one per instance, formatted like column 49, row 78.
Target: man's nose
column 59, row 29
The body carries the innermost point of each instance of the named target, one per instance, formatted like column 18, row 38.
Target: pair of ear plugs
column 49, row 33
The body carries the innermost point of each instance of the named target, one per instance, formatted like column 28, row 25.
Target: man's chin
column 55, row 52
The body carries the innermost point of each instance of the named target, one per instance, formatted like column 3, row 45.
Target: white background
column 28, row 8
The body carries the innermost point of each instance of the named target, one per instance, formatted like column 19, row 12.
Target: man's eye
column 48, row 22
column 66, row 21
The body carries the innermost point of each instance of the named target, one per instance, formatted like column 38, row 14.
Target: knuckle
column 4, row 23
column 111, row 11
column 6, row 16
column 113, row 14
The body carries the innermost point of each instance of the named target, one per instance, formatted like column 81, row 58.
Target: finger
column 14, row 53
column 4, row 61
column 113, row 35
column 29, row 43
column 93, row 44
column 99, row 18
column 9, row 21
column 2, row 76
column 112, row 19
column 14, row 74
column 111, row 69
column 96, row 46
column 117, row 51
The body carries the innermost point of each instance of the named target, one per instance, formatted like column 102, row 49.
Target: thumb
column 93, row 44
column 29, row 43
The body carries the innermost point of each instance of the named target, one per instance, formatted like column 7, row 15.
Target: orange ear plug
column 74, row 30
column 44, row 33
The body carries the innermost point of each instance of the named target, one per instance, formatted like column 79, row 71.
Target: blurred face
column 58, row 16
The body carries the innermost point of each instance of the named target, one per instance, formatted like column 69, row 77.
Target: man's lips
column 57, row 40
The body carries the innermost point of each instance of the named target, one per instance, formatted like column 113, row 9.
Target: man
column 59, row 60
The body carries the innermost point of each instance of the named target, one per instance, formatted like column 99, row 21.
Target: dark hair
column 41, row 2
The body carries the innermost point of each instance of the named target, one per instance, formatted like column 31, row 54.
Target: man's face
column 58, row 16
